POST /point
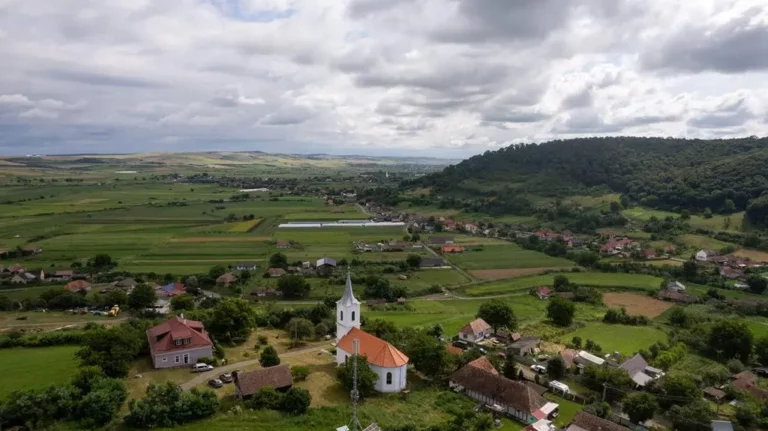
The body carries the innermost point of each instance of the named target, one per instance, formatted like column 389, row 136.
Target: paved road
column 201, row 378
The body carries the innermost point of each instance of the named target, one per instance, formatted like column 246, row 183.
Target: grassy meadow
column 504, row 257
column 620, row 338
column 595, row 279
column 35, row 368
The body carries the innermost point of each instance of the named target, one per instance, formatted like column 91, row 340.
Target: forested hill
column 657, row 172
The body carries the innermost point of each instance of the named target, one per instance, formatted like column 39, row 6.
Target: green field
column 596, row 279
column 699, row 242
column 505, row 257
column 620, row 338
column 35, row 368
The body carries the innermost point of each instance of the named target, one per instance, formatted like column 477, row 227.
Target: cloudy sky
column 448, row 78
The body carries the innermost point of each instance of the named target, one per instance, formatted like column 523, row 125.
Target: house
column 450, row 348
column 508, row 337
column 543, row 292
column 730, row 273
column 502, row 395
column 269, row 291
column 16, row 269
column 569, row 355
column 63, row 275
column 178, row 342
column 78, row 286
column 432, row 262
column 585, row 358
column 747, row 381
column 226, row 279
column 17, row 279
column 440, row 240
column 325, row 266
column 674, row 296
column 525, row 346
column 170, row 290
column 28, row 276
column 584, row 421
column 246, row 266
column 670, row 249
column 639, row 371
column 126, row 283
column 283, row 244
column 374, row 302
column 472, row 228
column 475, row 331
column 384, row 359
column 722, row 426
column 648, row 253
column 676, row 286
column 484, row 364
column 276, row 272
column 453, row 249
column 705, row 255
column 249, row 383
column 714, row 394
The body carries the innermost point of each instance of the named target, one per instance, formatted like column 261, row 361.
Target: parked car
column 542, row 358
column 226, row 378
column 539, row 368
column 215, row 383
column 201, row 368
column 461, row 344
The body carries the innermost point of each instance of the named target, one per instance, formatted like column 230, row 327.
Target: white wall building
column 384, row 359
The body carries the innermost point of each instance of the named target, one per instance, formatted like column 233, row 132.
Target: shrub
column 263, row 340
column 207, row 360
column 296, row 401
column 266, row 398
column 300, row 373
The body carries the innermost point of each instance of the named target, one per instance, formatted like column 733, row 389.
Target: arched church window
column 389, row 378
column 353, row 316
column 341, row 315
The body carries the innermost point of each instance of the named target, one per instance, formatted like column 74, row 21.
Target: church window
column 341, row 315
column 389, row 378
column 353, row 316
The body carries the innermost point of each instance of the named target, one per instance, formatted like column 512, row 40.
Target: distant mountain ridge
column 723, row 175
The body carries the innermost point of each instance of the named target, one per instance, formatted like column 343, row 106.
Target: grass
column 567, row 410
column 596, row 279
column 703, row 242
column 620, row 338
column 245, row 226
column 36, row 368
column 504, row 257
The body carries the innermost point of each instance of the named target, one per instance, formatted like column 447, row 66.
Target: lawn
column 620, row 338
column 567, row 411
column 36, row 368
column 505, row 256
column 703, row 242
column 596, row 279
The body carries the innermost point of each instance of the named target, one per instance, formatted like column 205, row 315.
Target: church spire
column 348, row 298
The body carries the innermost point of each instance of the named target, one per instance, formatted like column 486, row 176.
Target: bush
column 299, row 373
column 167, row 405
column 266, row 398
column 269, row 357
column 263, row 340
column 296, row 401
column 207, row 360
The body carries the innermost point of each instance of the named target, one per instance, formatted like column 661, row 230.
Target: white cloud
column 376, row 76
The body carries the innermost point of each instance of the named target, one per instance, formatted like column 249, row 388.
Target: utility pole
column 605, row 388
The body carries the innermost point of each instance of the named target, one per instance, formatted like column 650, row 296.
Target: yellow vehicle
column 114, row 311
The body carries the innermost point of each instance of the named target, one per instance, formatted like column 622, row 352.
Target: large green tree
column 231, row 320
column 300, row 328
column 366, row 378
column 731, row 338
column 293, row 286
column 269, row 357
column 167, row 405
column 757, row 284
column 561, row 311
column 142, row 297
column 112, row 349
column 498, row 314
column 183, row 302
column 278, row 260
column 296, row 401
column 639, row 406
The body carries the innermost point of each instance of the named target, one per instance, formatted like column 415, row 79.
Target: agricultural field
column 602, row 202
column 620, row 338
column 500, row 274
column 36, row 368
column 636, row 305
column 699, row 242
column 595, row 279
column 508, row 256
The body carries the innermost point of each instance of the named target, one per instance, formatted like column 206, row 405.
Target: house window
column 389, row 378
column 176, row 359
column 353, row 316
column 165, row 359
column 341, row 315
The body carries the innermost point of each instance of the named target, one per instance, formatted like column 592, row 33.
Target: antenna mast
column 355, row 395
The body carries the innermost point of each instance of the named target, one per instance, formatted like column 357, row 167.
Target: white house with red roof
column 475, row 331
column 389, row 363
column 178, row 342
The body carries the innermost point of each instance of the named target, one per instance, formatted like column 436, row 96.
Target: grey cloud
column 586, row 121
column 735, row 46
column 364, row 8
column 100, row 79
column 579, row 99
column 287, row 116
column 520, row 116
column 642, row 120
column 720, row 120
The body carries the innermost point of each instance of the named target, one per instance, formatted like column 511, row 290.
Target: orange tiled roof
column 377, row 351
column 475, row 327
column 484, row 364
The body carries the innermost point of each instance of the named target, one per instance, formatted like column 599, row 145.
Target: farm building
column 676, row 286
column 639, row 371
column 585, row 358
column 283, row 244
column 440, row 240
column 246, row 266
column 276, row 272
column 705, row 255
column 248, row 383
column 525, row 346
column 17, row 279
column 475, row 331
column 78, row 285
column 503, row 395
column 325, row 266
column 543, row 292
column 432, row 262
column 178, row 342
column 226, row 279
column 584, row 421
column 453, row 249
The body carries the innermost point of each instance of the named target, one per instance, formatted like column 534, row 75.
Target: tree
column 761, row 350
column 556, row 367
column 510, row 367
column 299, row 329
column 707, row 213
column 679, row 389
column 278, row 260
column 729, row 207
column 268, row 357
column 99, row 406
column 266, row 398
column 498, row 314
column 192, row 282
column 731, row 339
column 561, row 311
column 296, row 401
column 576, row 341
column 692, row 416
column 435, row 330
column 321, row 330
column 561, row 283
column 426, row 353
column 690, row 269
column 413, row 260
column 678, row 317
column 300, row 373
column 366, row 378
column 5, row 303
column 86, row 377
column 115, row 297
column 111, row 349
column 167, row 405
column 245, row 275
column 184, row 302
column 101, row 262
column 142, row 297
column 615, row 207
column 293, row 286
column 757, row 284
column 216, row 271
column 231, row 320
column 640, row 406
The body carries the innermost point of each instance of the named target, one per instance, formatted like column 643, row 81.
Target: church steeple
column 347, row 311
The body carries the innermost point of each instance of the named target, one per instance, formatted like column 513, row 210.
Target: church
column 383, row 358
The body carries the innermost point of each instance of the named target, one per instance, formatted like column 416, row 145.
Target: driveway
column 201, row 378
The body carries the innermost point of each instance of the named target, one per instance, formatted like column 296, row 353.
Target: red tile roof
column 77, row 285
column 453, row 350
column 543, row 291
column 498, row 388
column 475, row 327
column 484, row 364
column 590, row 422
column 452, row 249
column 162, row 336
column 377, row 351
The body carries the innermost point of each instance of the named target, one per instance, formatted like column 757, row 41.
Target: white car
column 201, row 368
column 539, row 368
